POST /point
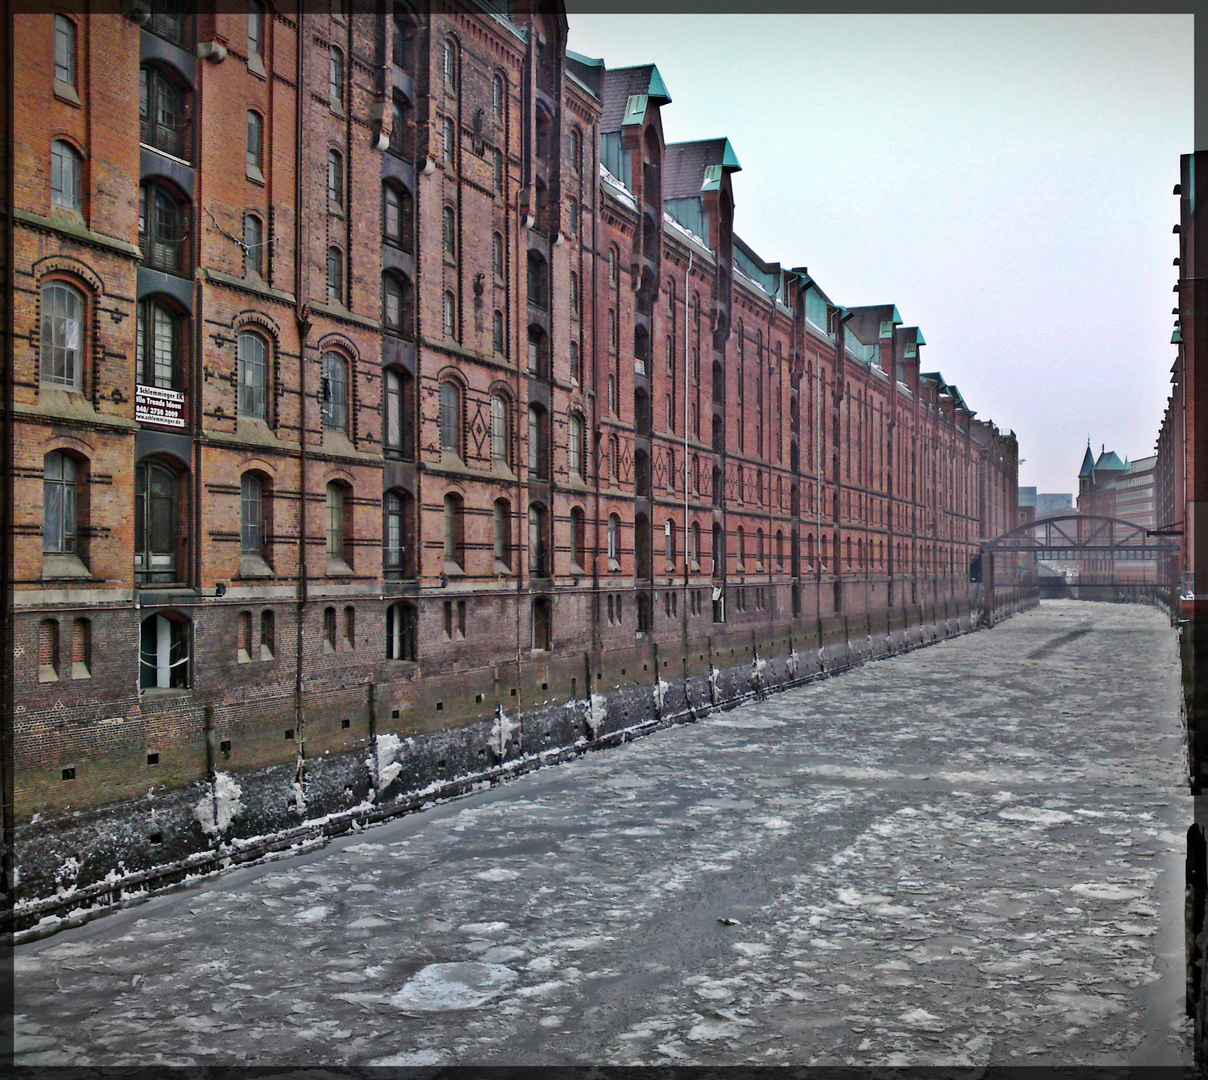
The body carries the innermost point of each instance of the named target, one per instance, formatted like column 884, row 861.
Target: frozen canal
column 971, row 855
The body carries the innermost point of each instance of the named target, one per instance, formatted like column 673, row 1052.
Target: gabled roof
column 692, row 167
column 1109, row 461
column 627, row 92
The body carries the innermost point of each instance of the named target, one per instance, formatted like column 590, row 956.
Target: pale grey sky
column 1004, row 179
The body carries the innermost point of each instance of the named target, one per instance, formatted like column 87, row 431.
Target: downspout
column 687, row 383
column 8, row 875
column 302, row 317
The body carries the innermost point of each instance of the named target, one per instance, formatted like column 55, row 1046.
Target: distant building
column 1109, row 487
column 1049, row 504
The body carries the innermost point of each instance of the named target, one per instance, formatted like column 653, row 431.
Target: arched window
column 501, row 429
column 268, row 634
column 497, row 168
column 497, row 255
column 614, row 459
column 335, row 80
column 335, row 276
column 576, row 364
column 779, row 550
column 253, row 376
column 160, row 343
column 449, row 63
column 401, row 631
column 48, row 650
column 614, row 538
column 669, row 552
column 578, row 537
column 741, row 544
column 449, row 230
column 66, row 175
column 392, row 304
column 576, row 149
column 538, row 545
column 157, row 524
column 497, row 97
column 255, row 143
column 614, row 267
column 759, row 549
column 574, row 295
column 500, row 341
column 255, row 28
column 335, row 392
column 335, row 178
column 163, row 228
column 396, row 554
column 538, row 352
column 719, row 551
column 644, row 614
column 503, row 533
column 60, row 520
column 542, row 630
column 81, row 648
column 62, row 339
column 538, row 442
column 398, row 435
column 164, row 652
column 253, row 244
column 164, row 113
column 252, row 533
column 400, row 128
column 399, row 40
column 641, row 474
column 538, row 281
column 450, row 417
column 395, row 215
column 576, row 446
column 454, row 514
column 449, row 140
column 65, row 51
column 643, row 564
column 339, row 525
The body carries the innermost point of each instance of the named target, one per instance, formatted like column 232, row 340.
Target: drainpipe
column 302, row 317
column 687, row 383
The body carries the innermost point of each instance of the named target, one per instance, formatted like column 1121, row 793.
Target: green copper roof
column 729, row 159
column 1088, row 463
column 1177, row 337
column 918, row 338
column 635, row 109
column 588, row 61
column 657, row 88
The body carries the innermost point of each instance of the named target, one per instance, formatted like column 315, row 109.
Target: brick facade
column 441, row 440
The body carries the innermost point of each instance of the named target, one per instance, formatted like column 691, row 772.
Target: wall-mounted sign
column 155, row 405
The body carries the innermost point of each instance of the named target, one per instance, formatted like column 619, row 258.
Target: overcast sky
column 1004, row 179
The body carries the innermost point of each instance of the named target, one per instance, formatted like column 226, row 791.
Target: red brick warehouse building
column 384, row 372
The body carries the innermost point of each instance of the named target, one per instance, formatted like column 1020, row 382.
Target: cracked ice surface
column 967, row 855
